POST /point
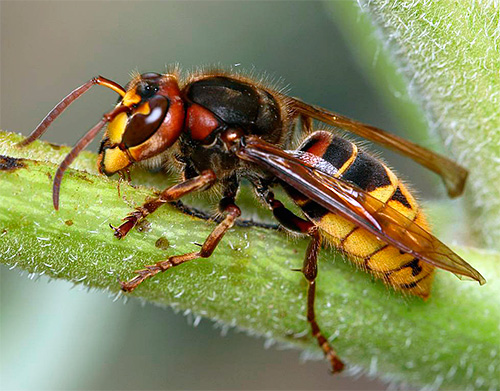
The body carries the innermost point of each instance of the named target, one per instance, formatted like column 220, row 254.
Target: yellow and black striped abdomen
column 400, row 270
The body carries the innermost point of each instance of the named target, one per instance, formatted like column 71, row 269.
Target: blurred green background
column 56, row 337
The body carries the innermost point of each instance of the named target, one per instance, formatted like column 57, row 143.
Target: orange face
column 151, row 122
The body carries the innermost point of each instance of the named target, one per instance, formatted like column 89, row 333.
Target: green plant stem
column 450, row 340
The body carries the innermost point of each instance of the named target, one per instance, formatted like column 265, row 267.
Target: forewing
column 358, row 206
column 453, row 175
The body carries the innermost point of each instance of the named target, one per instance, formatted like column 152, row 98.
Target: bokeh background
column 56, row 336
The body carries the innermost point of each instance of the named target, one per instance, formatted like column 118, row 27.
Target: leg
column 171, row 194
column 191, row 211
column 208, row 247
column 309, row 269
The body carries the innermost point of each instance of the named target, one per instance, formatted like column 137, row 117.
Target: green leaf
column 448, row 54
column 451, row 340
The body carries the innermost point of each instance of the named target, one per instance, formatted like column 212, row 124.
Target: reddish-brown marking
column 320, row 146
column 174, row 120
column 201, row 122
column 171, row 127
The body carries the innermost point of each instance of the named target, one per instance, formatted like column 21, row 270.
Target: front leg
column 232, row 213
column 204, row 180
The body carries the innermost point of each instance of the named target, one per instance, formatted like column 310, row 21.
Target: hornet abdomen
column 400, row 270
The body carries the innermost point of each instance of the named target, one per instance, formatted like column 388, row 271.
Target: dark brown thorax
column 215, row 104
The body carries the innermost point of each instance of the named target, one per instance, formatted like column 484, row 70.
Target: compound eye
column 145, row 121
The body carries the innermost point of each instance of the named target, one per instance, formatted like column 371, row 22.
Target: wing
column 359, row 207
column 453, row 175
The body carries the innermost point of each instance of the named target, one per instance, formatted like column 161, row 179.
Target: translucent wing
column 453, row 175
column 352, row 203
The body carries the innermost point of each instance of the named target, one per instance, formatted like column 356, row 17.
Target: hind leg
column 310, row 270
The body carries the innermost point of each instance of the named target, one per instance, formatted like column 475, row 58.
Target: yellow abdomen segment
column 400, row 270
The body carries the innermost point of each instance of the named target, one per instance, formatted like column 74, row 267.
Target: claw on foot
column 142, row 275
column 129, row 222
column 127, row 286
column 337, row 364
column 116, row 232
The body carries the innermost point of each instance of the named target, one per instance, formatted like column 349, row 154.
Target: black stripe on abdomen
column 367, row 173
column 338, row 152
